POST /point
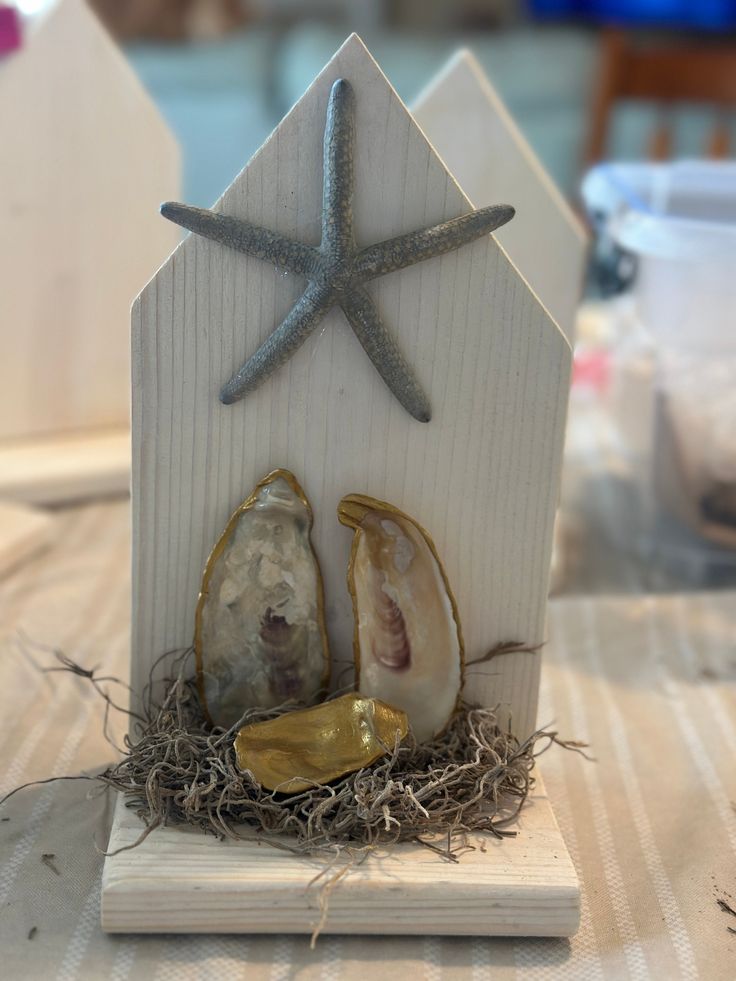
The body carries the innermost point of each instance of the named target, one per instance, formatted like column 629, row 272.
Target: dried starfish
column 337, row 270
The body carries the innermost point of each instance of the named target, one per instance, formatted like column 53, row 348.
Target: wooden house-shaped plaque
column 85, row 161
column 482, row 476
column 467, row 123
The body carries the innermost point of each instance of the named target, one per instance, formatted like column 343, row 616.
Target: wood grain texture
column 467, row 123
column 66, row 467
column 84, row 164
column 182, row 881
column 482, row 477
column 24, row 531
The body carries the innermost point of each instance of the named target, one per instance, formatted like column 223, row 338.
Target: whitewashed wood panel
column 85, row 160
column 482, row 476
column 182, row 881
column 469, row 126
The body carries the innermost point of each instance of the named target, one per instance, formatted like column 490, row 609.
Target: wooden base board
column 23, row 532
column 181, row 881
column 65, row 467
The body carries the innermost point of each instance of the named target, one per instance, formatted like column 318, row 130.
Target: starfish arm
column 384, row 353
column 244, row 237
column 338, row 173
column 406, row 250
column 292, row 332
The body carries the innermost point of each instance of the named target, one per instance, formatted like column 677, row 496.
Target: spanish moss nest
column 474, row 777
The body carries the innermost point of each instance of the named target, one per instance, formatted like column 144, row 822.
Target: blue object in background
column 215, row 97
column 716, row 15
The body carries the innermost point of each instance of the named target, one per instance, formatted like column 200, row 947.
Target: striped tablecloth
column 649, row 682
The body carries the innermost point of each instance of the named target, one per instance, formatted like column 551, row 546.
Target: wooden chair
column 687, row 71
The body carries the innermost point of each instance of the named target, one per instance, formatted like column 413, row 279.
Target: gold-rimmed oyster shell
column 408, row 641
column 317, row 745
column 260, row 636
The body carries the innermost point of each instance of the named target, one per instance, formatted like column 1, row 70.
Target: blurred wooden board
column 54, row 470
column 182, row 881
column 24, row 531
column 472, row 130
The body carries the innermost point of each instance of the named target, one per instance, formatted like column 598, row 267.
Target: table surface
column 650, row 682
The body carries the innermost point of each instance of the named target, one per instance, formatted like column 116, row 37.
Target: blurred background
column 224, row 72
column 631, row 107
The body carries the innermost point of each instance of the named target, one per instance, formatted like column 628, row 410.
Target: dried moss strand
column 475, row 777
column 179, row 770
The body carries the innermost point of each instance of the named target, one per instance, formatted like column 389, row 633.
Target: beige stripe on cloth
column 649, row 682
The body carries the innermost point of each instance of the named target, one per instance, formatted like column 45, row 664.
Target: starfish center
column 338, row 273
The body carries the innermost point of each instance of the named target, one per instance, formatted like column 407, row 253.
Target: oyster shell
column 320, row 744
column 408, row 642
column 260, row 635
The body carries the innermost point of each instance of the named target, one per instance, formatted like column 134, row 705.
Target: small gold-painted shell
column 316, row 745
column 408, row 642
column 260, row 637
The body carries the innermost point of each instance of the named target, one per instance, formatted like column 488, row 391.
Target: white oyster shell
column 260, row 637
column 408, row 642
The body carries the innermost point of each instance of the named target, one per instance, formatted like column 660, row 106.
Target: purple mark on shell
column 275, row 630
column 288, row 685
column 390, row 641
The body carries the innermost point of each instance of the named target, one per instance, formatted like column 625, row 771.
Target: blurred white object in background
column 31, row 8
column 679, row 222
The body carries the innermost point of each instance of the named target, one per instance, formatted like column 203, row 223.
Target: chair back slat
column 719, row 144
column 631, row 69
column 660, row 142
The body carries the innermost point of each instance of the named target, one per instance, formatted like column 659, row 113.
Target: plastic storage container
column 679, row 222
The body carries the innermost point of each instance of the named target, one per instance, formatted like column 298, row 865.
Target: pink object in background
column 10, row 32
column 592, row 369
